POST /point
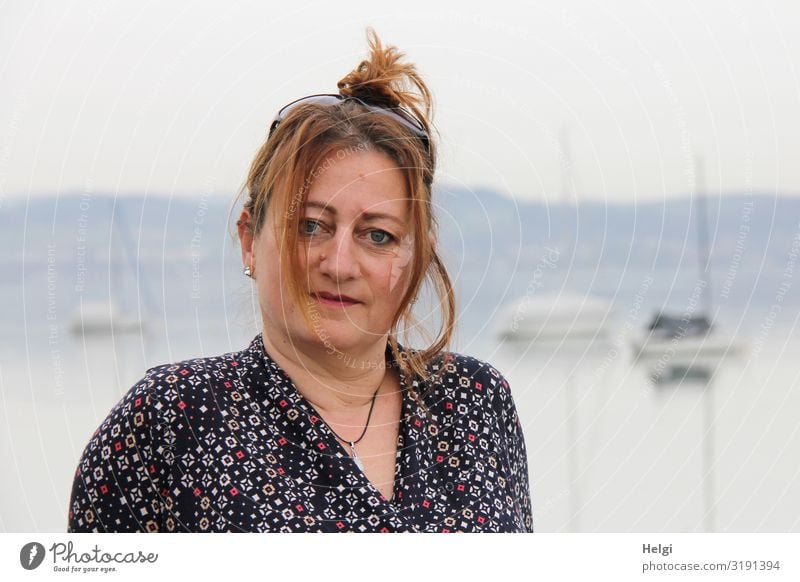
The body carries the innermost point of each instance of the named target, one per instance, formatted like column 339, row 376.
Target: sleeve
column 516, row 453
column 120, row 476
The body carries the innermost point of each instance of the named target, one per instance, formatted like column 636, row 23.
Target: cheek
column 305, row 258
column 271, row 290
column 398, row 271
column 269, row 286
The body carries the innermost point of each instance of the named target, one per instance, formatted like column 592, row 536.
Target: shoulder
column 198, row 373
column 168, row 389
column 467, row 370
column 468, row 379
column 227, row 363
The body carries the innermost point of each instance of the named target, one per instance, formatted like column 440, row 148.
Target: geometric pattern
column 228, row 444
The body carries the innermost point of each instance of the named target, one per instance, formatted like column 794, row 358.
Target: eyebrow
column 368, row 215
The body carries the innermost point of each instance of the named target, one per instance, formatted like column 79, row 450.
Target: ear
column 245, row 227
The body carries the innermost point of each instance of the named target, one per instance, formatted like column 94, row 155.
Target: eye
column 309, row 227
column 380, row 237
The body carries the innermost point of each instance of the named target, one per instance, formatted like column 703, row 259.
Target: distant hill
column 181, row 258
column 609, row 249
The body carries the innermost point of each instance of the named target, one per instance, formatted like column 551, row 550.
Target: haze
column 549, row 101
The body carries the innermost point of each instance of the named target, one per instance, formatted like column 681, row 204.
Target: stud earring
column 248, row 272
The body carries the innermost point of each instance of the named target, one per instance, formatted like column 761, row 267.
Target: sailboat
column 104, row 318
column 109, row 317
column 556, row 318
column 688, row 344
column 565, row 316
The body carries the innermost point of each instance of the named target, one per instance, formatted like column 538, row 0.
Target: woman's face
column 355, row 253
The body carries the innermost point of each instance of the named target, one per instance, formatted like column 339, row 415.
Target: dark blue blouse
column 228, row 443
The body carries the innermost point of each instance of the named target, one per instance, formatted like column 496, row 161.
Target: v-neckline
column 326, row 434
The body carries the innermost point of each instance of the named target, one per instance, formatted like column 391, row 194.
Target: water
column 56, row 388
column 608, row 449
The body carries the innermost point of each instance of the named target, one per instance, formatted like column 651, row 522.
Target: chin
column 341, row 340
column 341, row 336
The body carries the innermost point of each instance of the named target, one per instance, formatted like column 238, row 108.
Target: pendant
column 359, row 463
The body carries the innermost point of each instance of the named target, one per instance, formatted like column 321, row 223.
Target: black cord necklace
column 359, row 463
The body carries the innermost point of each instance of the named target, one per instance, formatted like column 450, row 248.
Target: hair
column 282, row 170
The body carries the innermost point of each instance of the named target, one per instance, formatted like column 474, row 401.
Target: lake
column 609, row 450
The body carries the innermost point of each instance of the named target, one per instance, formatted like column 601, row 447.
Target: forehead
column 355, row 182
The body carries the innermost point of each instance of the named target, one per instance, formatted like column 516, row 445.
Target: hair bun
column 383, row 79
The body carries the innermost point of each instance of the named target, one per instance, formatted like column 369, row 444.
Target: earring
column 247, row 271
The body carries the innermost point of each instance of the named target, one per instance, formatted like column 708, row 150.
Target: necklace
column 359, row 463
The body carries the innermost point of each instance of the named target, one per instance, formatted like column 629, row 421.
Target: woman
column 325, row 422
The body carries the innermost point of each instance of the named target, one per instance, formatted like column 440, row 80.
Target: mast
column 704, row 266
column 569, row 202
column 703, row 258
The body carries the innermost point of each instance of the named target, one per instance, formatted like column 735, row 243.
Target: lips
column 334, row 299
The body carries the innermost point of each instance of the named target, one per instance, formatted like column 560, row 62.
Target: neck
column 332, row 382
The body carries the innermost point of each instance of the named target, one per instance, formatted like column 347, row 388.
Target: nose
column 338, row 258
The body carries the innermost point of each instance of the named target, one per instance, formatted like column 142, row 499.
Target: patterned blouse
column 228, row 444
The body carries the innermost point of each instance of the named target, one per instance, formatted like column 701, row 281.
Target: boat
column 687, row 345
column 684, row 340
column 556, row 318
column 109, row 316
column 565, row 316
column 104, row 318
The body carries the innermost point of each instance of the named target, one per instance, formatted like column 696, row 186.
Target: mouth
column 334, row 300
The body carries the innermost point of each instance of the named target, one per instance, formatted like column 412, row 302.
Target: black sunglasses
column 397, row 113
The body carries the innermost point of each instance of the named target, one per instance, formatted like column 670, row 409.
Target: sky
column 545, row 101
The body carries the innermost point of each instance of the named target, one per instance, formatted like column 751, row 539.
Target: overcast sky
column 174, row 98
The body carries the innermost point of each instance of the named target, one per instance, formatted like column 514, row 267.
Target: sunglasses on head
column 397, row 113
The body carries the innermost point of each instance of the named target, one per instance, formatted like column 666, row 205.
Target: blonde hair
column 279, row 176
